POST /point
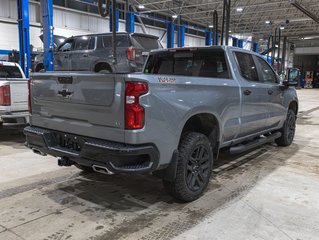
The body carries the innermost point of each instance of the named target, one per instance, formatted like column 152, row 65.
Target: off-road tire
column 288, row 130
column 195, row 160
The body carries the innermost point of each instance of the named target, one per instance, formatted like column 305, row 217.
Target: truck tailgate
column 87, row 104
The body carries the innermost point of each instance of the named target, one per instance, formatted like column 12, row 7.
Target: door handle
column 247, row 92
column 270, row 92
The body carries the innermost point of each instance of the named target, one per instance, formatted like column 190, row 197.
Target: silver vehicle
column 172, row 120
column 94, row 53
column 13, row 96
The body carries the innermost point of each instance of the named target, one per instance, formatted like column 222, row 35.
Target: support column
column 130, row 22
column 235, row 42
column 48, row 38
column 181, row 36
column 170, row 35
column 24, row 35
column 255, row 47
column 215, row 30
column 240, row 43
column 283, row 58
column 208, row 38
column 117, row 15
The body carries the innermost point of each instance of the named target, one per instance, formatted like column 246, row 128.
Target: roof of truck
column 203, row 48
column 118, row 33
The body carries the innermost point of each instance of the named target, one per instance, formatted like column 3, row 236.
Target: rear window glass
column 145, row 42
column 121, row 41
column 10, row 72
column 201, row 64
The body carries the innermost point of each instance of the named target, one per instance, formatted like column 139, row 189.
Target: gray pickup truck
column 171, row 120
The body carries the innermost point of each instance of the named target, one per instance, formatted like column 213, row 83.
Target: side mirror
column 293, row 77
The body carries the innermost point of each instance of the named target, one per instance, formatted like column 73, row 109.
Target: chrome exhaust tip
column 102, row 169
column 37, row 151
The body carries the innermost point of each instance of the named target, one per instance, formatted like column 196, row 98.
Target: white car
column 13, row 95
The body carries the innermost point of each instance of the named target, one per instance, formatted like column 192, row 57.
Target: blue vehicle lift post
column 235, row 42
column 48, row 38
column 24, row 35
column 255, row 47
column 130, row 22
column 170, row 35
column 240, row 43
column 181, row 36
column 117, row 16
column 208, row 38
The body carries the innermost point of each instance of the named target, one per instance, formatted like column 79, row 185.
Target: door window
column 82, row 43
column 67, row 46
column 267, row 74
column 247, row 66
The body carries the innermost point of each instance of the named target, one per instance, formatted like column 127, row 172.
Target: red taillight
column 5, row 98
column 131, row 54
column 134, row 112
column 29, row 95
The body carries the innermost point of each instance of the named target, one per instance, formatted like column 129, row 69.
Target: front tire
column 288, row 130
column 194, row 167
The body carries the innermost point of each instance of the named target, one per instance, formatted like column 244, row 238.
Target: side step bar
column 250, row 145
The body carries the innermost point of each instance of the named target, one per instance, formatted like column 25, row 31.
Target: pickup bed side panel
column 169, row 105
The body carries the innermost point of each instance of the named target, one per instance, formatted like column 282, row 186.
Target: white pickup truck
column 13, row 95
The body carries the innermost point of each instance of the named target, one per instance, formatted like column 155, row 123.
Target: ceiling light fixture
column 239, row 9
column 174, row 16
column 141, row 6
column 267, row 22
column 282, row 28
column 210, row 26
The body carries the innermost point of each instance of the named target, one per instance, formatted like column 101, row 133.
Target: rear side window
column 10, row 72
column 145, row 42
column 201, row 64
column 121, row 41
column 247, row 66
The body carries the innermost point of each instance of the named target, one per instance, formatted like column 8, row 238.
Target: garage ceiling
column 251, row 20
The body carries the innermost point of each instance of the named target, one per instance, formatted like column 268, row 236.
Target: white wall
column 66, row 23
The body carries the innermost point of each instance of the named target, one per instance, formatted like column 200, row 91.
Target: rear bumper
column 13, row 119
column 117, row 157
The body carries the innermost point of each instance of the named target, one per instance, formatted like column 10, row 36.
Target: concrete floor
column 271, row 193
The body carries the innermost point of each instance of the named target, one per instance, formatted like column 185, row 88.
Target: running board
column 250, row 145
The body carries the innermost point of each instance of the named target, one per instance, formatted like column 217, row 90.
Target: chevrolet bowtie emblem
column 65, row 93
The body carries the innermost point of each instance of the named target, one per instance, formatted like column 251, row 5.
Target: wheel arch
column 294, row 106
column 205, row 123
column 102, row 66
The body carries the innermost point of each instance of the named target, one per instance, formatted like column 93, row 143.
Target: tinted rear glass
column 145, row 42
column 10, row 72
column 186, row 63
column 121, row 41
